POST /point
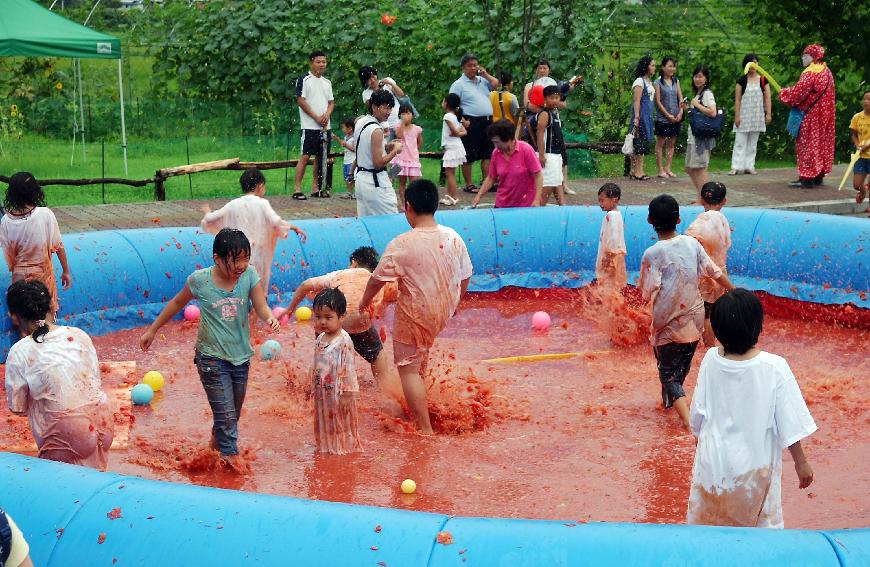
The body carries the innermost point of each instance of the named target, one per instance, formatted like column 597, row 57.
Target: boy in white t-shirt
column 253, row 215
column 314, row 97
column 712, row 230
column 746, row 409
column 431, row 266
column 669, row 274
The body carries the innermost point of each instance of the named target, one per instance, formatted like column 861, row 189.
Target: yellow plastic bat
column 539, row 357
column 761, row 71
column 855, row 155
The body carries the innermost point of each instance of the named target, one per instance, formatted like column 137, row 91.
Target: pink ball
column 191, row 313
column 541, row 321
column 280, row 313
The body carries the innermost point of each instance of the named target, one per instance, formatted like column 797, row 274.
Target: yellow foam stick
column 767, row 76
column 540, row 357
column 855, row 155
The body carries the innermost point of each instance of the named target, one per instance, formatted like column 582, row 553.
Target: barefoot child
column 860, row 130
column 746, row 409
column 409, row 158
column 349, row 159
column 359, row 325
column 669, row 274
column 712, row 230
column 453, row 128
column 224, row 293
column 334, row 382
column 431, row 267
column 253, row 215
column 29, row 235
column 53, row 377
column 610, row 263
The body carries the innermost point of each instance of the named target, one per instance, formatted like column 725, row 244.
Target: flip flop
column 300, row 196
column 470, row 189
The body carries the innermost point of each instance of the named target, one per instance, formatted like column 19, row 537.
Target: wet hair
column 704, row 71
column 501, row 129
column 229, row 243
column 452, row 101
column 543, row 61
column 405, row 109
column 665, row 61
column 642, row 66
column 381, row 97
column 713, row 192
column 746, row 59
column 30, row 300
column 250, row 179
column 551, row 90
column 422, row 196
column 315, row 54
column 610, row 190
column 332, row 298
column 664, row 213
column 468, row 57
column 505, row 78
column 23, row 191
column 365, row 257
column 737, row 319
column 348, row 121
column 366, row 72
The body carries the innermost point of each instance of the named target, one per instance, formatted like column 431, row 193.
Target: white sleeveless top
column 362, row 140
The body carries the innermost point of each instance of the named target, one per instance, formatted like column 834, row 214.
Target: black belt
column 469, row 117
column 374, row 173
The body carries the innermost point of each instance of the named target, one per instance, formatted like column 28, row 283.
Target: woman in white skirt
column 751, row 117
column 374, row 190
column 452, row 129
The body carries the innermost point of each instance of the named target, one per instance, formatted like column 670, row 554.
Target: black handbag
column 703, row 126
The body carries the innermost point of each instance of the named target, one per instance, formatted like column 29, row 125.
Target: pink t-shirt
column 712, row 230
column 410, row 154
column 429, row 265
column 515, row 175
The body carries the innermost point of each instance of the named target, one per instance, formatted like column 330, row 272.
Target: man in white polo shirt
column 314, row 97
column 473, row 88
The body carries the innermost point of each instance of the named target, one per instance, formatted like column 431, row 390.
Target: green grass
column 612, row 165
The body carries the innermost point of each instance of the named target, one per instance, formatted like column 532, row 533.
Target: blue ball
column 141, row 394
column 270, row 349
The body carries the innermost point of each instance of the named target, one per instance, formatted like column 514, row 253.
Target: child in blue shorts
column 349, row 155
column 860, row 128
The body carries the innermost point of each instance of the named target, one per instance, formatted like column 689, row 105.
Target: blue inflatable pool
column 122, row 279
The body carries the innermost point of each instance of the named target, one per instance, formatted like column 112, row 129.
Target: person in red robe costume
column 813, row 94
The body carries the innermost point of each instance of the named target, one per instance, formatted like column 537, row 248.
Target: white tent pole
column 123, row 125
column 72, row 152
column 81, row 109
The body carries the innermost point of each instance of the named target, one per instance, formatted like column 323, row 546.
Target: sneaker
column 448, row 201
column 569, row 191
column 732, row 172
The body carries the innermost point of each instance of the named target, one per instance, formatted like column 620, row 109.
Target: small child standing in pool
column 610, row 263
column 29, row 235
column 669, row 276
column 252, row 214
column 712, row 230
column 334, row 382
column 746, row 409
column 431, row 266
column 224, row 293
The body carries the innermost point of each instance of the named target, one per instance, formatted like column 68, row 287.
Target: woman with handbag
column 811, row 121
column 641, row 120
column 698, row 148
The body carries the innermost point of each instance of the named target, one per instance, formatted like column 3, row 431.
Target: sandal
column 300, row 196
column 322, row 194
column 448, row 201
column 641, row 178
column 469, row 189
column 671, row 174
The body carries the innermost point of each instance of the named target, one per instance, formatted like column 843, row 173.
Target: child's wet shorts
column 410, row 355
column 345, row 170
column 862, row 166
column 708, row 307
column 367, row 344
column 673, row 361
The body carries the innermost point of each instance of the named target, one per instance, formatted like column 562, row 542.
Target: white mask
column 806, row 59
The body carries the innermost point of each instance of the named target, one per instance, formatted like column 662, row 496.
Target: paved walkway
column 766, row 189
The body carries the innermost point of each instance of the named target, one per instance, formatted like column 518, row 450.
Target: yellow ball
column 153, row 379
column 409, row 486
column 303, row 313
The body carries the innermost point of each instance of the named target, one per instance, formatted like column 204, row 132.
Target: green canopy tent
column 27, row 29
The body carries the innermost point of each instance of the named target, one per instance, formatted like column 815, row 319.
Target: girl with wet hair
column 53, row 377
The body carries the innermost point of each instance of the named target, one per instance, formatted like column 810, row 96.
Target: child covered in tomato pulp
column 431, row 266
column 334, row 382
column 746, row 409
